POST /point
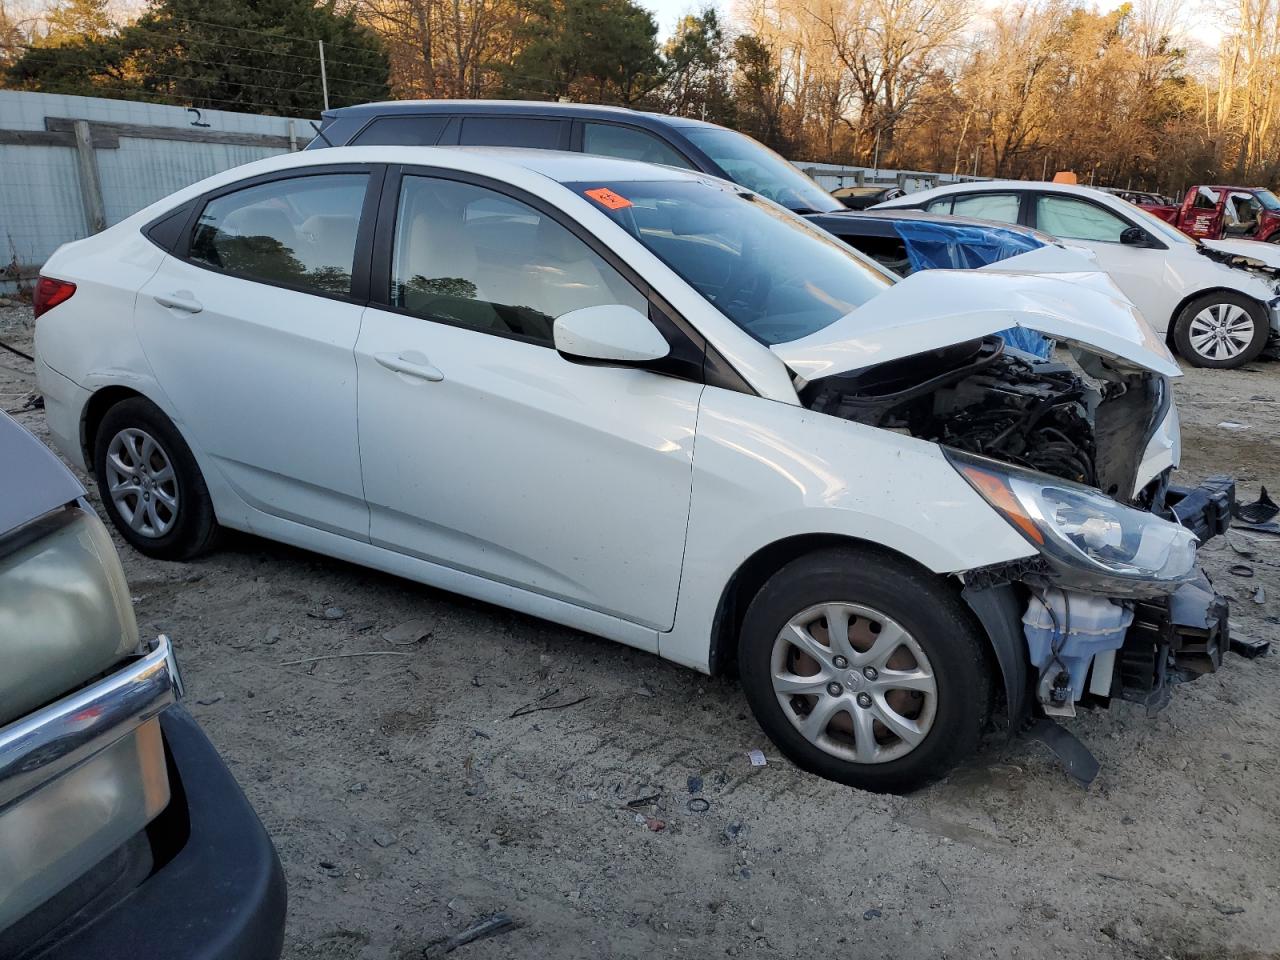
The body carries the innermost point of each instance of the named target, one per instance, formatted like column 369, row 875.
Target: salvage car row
column 660, row 405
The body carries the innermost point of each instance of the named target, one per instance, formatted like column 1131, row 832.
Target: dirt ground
column 407, row 802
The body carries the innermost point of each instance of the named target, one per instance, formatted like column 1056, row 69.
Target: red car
column 1214, row 212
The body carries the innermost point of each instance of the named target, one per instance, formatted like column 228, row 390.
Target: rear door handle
column 411, row 363
column 182, row 300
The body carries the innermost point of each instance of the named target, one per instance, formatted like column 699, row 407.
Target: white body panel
column 1158, row 281
column 264, row 381
column 563, row 479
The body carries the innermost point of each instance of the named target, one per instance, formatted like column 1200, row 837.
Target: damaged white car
column 659, row 408
column 1217, row 302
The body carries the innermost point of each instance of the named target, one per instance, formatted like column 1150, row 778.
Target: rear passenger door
column 249, row 327
column 487, row 452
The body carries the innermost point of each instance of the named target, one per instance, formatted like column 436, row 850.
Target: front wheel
column 865, row 670
column 1221, row 330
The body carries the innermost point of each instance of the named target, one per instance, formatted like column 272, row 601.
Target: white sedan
column 1216, row 301
column 647, row 404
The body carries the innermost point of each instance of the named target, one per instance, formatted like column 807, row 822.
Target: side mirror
column 1135, row 237
column 609, row 334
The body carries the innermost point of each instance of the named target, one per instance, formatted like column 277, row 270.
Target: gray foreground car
column 122, row 833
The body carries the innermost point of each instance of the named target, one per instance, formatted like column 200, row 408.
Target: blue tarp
column 934, row 246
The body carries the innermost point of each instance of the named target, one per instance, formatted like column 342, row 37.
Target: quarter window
column 299, row 232
column 473, row 257
column 1072, row 219
column 614, row 140
column 1001, row 207
column 402, row 131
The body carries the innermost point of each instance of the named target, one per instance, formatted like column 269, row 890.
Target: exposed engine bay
column 1086, row 426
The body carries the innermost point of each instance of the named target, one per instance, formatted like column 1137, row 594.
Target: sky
column 667, row 12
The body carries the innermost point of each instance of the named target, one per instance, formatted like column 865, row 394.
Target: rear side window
column 629, row 143
column 299, row 232
column 1001, row 207
column 511, row 132
column 402, row 132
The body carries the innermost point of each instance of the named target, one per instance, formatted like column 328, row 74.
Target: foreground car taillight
column 49, row 293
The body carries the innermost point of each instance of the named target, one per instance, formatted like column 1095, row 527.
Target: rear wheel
column 150, row 484
column 1221, row 330
column 865, row 670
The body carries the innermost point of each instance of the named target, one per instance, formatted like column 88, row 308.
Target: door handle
column 411, row 364
column 182, row 300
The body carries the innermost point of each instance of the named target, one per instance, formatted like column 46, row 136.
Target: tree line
column 1123, row 97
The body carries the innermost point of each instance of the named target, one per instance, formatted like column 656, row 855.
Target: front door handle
column 183, row 300
column 411, row 363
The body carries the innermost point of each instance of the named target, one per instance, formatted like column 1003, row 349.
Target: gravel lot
column 407, row 802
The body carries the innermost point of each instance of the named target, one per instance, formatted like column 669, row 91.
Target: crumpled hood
column 937, row 308
column 1267, row 253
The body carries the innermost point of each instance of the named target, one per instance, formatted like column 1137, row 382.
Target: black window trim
column 579, row 137
column 1153, row 242
column 359, row 294
column 716, row 369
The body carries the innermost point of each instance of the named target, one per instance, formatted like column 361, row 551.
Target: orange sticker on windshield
column 607, row 198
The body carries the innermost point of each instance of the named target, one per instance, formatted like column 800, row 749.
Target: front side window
column 1268, row 199
column 299, row 232
column 1072, row 219
column 476, row 258
column 758, row 168
column 629, row 143
column 768, row 270
column 1001, row 207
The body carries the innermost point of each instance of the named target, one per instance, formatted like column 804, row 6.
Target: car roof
column 589, row 111
column 997, row 186
column 567, row 167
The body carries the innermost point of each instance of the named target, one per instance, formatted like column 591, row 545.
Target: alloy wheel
column 854, row 682
column 1221, row 331
column 142, row 483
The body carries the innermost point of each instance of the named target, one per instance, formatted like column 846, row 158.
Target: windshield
column 767, row 270
column 758, row 168
column 1267, row 199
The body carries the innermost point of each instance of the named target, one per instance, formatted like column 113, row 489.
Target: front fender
column 764, row 472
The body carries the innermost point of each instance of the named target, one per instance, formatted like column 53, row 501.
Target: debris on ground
column 757, row 758
column 408, row 633
column 489, row 927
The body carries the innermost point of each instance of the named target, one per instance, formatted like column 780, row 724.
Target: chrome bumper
column 81, row 776
column 43, row 744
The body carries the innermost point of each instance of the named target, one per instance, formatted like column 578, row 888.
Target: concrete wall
column 141, row 152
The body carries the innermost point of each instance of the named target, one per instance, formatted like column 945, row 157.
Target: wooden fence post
column 95, row 213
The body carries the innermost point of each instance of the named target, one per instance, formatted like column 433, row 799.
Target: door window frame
column 375, row 173
column 691, row 357
column 1153, row 241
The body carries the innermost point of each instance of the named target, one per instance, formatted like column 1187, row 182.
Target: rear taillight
column 49, row 293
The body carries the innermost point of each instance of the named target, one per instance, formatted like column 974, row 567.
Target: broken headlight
column 1091, row 542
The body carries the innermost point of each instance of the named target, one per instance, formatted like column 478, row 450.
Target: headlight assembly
column 1090, row 541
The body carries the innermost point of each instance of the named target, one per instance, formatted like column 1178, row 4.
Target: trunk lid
column 938, row 308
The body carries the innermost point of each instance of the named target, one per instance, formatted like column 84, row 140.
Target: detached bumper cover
column 220, row 897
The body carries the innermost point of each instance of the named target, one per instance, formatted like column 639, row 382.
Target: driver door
column 486, row 451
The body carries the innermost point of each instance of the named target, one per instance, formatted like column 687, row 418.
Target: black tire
column 194, row 525
column 921, row 604
column 1257, row 338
